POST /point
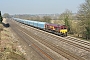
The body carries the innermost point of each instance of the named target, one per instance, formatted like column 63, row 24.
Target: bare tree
column 84, row 16
column 67, row 17
column 6, row 15
column 46, row 19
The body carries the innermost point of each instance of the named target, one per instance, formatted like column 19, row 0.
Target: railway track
column 80, row 46
column 72, row 41
column 34, row 46
column 57, row 49
column 78, row 41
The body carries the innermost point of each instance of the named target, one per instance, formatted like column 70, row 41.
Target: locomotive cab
column 58, row 29
column 63, row 30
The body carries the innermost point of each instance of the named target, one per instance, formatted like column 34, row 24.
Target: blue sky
column 39, row 6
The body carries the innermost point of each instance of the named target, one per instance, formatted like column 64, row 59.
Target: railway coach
column 55, row 28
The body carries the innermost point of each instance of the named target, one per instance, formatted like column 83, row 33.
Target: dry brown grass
column 8, row 49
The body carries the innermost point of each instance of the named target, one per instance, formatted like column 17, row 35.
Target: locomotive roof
column 56, row 25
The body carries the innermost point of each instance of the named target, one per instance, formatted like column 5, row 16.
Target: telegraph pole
column 0, row 17
column 0, row 31
column 1, row 27
column 0, row 13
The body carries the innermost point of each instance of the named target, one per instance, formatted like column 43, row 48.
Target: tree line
column 82, row 26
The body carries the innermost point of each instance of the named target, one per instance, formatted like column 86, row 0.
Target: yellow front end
column 63, row 31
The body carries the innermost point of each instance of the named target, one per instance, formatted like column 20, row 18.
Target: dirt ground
column 9, row 49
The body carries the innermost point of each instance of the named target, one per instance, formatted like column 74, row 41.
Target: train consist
column 55, row 28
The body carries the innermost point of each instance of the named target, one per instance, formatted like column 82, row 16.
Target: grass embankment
column 8, row 47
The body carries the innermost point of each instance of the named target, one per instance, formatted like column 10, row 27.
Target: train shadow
column 6, row 25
